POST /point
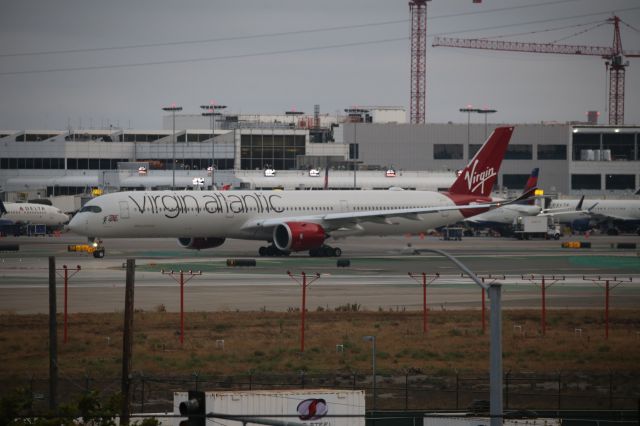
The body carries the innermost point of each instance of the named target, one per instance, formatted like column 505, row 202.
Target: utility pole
column 182, row 282
column 210, row 111
column 545, row 283
column 66, row 277
column 127, row 345
column 425, row 284
column 468, row 109
column 608, row 281
column 304, row 285
column 53, row 338
column 172, row 109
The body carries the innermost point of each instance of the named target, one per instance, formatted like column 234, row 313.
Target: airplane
column 292, row 221
column 31, row 213
column 615, row 215
column 502, row 219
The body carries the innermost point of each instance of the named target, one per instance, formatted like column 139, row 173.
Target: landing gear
column 271, row 251
column 325, row 251
column 98, row 251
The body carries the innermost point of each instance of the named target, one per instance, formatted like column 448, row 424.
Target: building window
column 473, row 149
column 447, row 151
column 585, row 182
column 514, row 181
column 621, row 182
column 354, row 151
column 519, row 152
column 552, row 152
column 618, row 147
column 584, row 144
column 278, row 151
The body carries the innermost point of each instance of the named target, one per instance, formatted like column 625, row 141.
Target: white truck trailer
column 312, row 407
column 525, row 227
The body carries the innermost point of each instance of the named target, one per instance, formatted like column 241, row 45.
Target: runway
column 377, row 278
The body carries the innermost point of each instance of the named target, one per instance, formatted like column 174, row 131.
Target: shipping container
column 313, row 407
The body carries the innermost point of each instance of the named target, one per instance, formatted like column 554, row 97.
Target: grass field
column 270, row 342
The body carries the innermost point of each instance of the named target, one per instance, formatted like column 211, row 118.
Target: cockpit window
column 90, row 209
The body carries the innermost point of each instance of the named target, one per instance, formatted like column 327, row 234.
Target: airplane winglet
column 579, row 205
column 3, row 209
column 530, row 193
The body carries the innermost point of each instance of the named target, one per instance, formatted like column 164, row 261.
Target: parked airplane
column 292, row 220
column 31, row 213
column 501, row 219
column 613, row 214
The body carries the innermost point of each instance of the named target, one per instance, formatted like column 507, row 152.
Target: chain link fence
column 395, row 391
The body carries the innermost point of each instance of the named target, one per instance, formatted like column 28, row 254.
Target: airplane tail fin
column 479, row 176
column 532, row 182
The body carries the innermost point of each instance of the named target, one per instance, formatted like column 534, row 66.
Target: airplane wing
column 351, row 220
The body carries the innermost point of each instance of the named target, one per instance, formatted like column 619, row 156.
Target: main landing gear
column 325, row 251
column 322, row 251
column 271, row 251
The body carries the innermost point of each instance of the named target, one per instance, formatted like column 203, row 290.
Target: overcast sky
column 63, row 62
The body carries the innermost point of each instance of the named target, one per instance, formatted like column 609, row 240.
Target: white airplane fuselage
column 599, row 210
column 40, row 214
column 238, row 214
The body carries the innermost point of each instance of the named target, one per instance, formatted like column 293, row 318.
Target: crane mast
column 418, row 9
column 614, row 59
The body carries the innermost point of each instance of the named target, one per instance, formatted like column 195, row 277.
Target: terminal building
column 367, row 147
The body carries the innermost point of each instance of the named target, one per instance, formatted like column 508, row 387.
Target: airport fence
column 393, row 390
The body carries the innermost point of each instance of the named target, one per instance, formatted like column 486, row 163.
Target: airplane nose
column 73, row 225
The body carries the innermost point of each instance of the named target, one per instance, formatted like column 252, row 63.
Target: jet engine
column 200, row 243
column 298, row 236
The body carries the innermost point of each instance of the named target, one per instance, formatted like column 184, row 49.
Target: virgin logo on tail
column 476, row 180
column 479, row 176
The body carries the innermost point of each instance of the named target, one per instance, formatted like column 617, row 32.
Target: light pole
column 495, row 342
column 372, row 339
column 468, row 109
column 173, row 108
column 485, row 112
column 210, row 111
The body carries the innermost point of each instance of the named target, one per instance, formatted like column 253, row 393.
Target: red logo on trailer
column 312, row 409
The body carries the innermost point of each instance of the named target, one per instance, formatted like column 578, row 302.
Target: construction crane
column 614, row 57
column 418, row 9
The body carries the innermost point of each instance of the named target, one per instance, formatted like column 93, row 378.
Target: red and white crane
column 614, row 56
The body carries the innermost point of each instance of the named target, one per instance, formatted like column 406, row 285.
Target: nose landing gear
column 98, row 248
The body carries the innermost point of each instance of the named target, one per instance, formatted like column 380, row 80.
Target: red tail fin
column 531, row 183
column 481, row 173
column 533, row 180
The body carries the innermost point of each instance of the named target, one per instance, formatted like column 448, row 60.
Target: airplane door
column 344, row 206
column 124, row 210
